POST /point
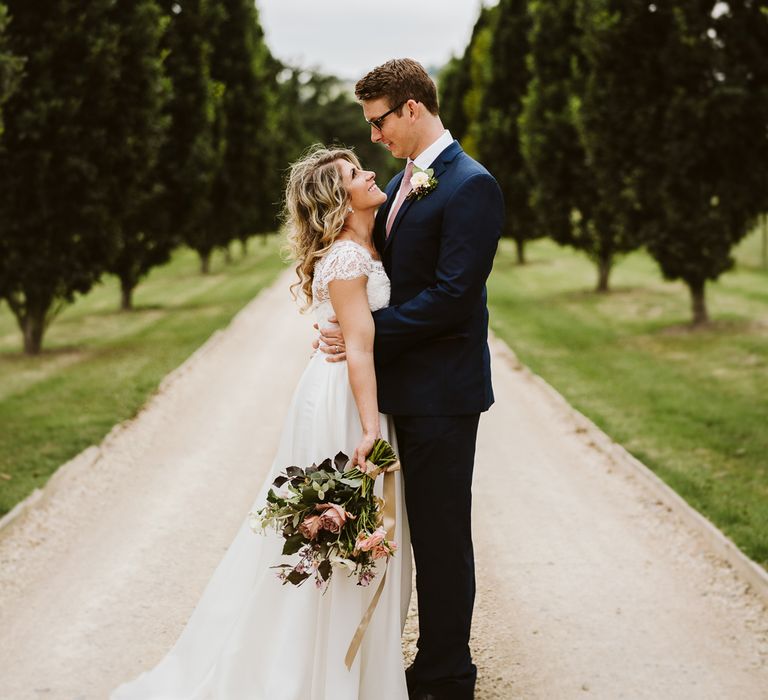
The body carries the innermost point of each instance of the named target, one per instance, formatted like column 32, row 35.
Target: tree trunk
column 698, row 303
column 244, row 247
column 205, row 262
column 604, row 266
column 265, row 238
column 227, row 256
column 126, row 293
column 33, row 327
column 520, row 246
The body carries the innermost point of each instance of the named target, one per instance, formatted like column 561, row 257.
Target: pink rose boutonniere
column 422, row 182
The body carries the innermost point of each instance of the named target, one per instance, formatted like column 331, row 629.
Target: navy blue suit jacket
column 431, row 346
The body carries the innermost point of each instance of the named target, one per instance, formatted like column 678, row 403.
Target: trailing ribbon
column 389, row 525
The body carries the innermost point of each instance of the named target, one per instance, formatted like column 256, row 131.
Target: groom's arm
column 472, row 224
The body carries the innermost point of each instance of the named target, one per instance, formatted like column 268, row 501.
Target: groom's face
column 394, row 132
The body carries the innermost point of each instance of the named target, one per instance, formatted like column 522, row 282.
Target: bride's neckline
column 373, row 256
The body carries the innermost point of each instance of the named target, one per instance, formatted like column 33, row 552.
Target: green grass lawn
column 692, row 405
column 99, row 365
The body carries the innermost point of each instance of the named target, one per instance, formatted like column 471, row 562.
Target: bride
column 250, row 637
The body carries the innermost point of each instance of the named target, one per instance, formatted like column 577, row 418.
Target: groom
column 437, row 242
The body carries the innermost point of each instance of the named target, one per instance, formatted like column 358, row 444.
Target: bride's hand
column 331, row 342
column 363, row 450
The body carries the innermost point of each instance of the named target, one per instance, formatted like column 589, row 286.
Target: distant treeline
column 618, row 124
column 130, row 127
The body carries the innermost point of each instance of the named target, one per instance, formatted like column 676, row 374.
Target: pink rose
column 380, row 552
column 384, row 550
column 310, row 526
column 333, row 516
column 367, row 542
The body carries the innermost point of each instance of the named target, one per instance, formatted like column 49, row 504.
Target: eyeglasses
column 377, row 123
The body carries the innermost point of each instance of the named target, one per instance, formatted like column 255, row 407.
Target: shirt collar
column 430, row 154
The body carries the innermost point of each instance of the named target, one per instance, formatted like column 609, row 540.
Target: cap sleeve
column 346, row 260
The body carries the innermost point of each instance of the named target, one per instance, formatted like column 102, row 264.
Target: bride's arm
column 350, row 302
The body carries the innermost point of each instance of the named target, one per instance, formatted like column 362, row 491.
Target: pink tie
column 405, row 188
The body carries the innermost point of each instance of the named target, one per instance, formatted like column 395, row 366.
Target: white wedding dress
column 250, row 637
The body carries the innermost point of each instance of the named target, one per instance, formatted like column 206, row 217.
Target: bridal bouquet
column 329, row 515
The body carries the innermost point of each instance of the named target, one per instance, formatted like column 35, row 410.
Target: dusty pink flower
column 380, row 552
column 384, row 550
column 310, row 526
column 332, row 516
column 367, row 542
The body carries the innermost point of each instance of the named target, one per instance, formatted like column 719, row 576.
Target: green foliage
column 703, row 182
column 452, row 84
column 461, row 82
column 480, row 74
column 243, row 195
column 495, row 127
column 615, row 44
column 57, row 233
column 138, row 130
column 192, row 155
column 11, row 66
column 563, row 192
column 319, row 108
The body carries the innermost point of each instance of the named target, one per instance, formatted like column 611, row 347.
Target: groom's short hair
column 398, row 81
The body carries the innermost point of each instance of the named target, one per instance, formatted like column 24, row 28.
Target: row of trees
column 616, row 124
column 133, row 126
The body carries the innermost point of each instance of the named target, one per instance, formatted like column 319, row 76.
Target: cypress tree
column 452, row 84
column 704, row 182
column 480, row 67
column 10, row 65
column 563, row 193
column 138, row 128
column 56, row 232
column 496, row 130
column 191, row 155
column 243, row 195
column 618, row 52
column 462, row 80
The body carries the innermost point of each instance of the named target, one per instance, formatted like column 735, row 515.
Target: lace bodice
column 346, row 260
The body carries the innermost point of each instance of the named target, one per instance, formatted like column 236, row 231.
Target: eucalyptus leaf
column 325, row 465
column 340, row 460
column 324, row 569
column 293, row 544
column 297, row 578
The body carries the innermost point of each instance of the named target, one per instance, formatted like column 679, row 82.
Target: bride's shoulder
column 344, row 259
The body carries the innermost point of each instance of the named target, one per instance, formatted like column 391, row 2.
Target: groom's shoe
column 456, row 689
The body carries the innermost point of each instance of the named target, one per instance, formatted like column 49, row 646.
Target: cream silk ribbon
column 389, row 525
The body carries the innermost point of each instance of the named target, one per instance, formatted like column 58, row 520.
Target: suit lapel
column 440, row 165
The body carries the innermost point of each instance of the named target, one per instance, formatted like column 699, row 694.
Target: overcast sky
column 349, row 37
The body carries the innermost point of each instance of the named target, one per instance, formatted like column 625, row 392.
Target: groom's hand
column 333, row 342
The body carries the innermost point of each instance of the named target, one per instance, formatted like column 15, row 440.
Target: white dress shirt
column 424, row 160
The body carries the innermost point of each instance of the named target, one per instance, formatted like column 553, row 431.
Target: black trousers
column 437, row 456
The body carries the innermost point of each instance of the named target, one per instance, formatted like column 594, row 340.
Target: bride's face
column 361, row 186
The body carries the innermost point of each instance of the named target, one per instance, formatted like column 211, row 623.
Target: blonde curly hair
column 316, row 204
